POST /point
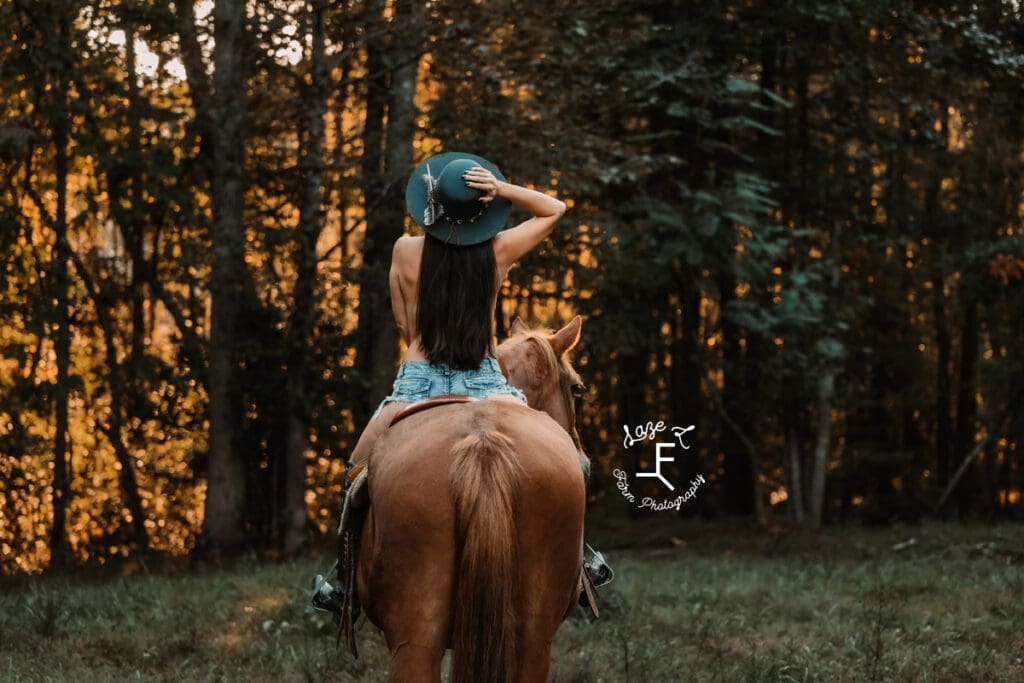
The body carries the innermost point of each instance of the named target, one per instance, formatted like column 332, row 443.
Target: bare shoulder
column 407, row 246
column 407, row 242
column 407, row 251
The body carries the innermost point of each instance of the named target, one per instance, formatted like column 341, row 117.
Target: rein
column 570, row 407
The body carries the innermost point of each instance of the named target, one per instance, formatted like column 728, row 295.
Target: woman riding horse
column 473, row 536
column 443, row 291
column 444, row 284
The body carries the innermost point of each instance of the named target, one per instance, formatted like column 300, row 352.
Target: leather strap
column 354, row 471
column 590, row 592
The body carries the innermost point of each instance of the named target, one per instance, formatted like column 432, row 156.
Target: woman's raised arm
column 511, row 244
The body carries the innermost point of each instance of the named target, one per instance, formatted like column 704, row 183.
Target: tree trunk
column 931, row 216
column 822, row 444
column 409, row 26
column 133, row 228
column 752, row 455
column 791, row 208
column 376, row 338
column 198, row 81
column 738, row 485
column 826, row 391
column 685, row 398
column 794, row 476
column 62, row 318
column 224, row 522
column 125, row 187
column 373, row 282
column 114, row 428
column 631, row 409
column 943, row 427
column 829, row 369
column 307, row 233
column 966, row 408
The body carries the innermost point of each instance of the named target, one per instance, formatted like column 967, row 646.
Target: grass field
column 692, row 601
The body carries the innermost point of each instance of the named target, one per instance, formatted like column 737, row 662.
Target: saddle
column 355, row 476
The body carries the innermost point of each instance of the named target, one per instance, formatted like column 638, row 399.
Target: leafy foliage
column 761, row 195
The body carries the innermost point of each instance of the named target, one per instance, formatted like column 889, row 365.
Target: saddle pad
column 431, row 402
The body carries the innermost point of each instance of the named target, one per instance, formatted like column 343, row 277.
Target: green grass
column 691, row 601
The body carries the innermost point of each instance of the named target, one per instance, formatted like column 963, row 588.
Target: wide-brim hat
column 445, row 207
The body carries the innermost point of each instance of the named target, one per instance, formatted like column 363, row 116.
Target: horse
column 473, row 538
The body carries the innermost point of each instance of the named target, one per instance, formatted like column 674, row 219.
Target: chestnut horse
column 474, row 534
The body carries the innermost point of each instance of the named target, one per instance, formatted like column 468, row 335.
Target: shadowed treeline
column 796, row 227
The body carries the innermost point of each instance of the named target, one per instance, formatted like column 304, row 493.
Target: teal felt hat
column 445, row 207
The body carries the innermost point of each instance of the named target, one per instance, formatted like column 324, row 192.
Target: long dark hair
column 455, row 310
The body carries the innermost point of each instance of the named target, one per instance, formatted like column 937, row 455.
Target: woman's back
column 407, row 269
column 443, row 290
column 453, row 319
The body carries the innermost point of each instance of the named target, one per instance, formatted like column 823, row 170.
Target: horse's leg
column 413, row 662
column 410, row 574
column 415, row 611
column 545, row 607
column 536, row 660
column 550, row 533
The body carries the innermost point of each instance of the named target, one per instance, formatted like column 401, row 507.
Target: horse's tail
column 485, row 490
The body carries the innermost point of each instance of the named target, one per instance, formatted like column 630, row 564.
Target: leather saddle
column 354, row 473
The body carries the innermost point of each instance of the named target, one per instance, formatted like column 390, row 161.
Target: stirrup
column 327, row 598
column 597, row 567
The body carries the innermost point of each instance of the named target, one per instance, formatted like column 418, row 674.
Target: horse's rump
column 476, row 531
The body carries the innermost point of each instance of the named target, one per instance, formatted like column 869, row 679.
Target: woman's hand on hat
column 479, row 178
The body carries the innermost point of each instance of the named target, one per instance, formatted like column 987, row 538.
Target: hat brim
column 489, row 223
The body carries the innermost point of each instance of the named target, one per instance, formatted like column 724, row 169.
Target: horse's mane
column 537, row 373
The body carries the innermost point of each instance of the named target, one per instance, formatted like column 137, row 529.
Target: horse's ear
column 567, row 337
column 518, row 326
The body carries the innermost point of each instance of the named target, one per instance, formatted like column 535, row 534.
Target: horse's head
column 536, row 363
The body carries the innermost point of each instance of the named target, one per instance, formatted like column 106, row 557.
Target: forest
column 797, row 226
